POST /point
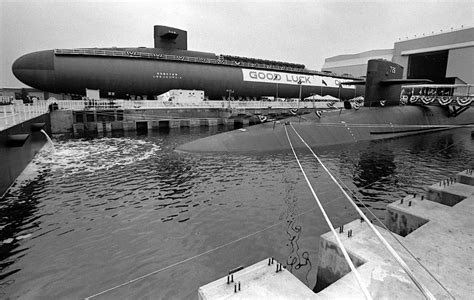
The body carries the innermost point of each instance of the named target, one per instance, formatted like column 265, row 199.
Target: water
column 100, row 212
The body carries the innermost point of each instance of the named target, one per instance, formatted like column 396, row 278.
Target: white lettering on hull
column 292, row 78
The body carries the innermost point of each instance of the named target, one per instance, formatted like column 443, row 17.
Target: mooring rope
column 402, row 263
column 341, row 246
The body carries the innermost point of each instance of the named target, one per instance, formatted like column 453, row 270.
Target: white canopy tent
column 315, row 97
column 329, row 98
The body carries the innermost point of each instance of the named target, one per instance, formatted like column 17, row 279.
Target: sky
column 304, row 32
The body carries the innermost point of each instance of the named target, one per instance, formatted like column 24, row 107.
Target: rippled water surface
column 100, row 212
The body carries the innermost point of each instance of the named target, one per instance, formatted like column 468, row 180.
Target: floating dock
column 436, row 227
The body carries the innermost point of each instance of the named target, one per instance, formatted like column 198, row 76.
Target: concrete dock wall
column 61, row 121
column 78, row 122
column 14, row 157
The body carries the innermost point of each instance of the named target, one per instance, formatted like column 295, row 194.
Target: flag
column 324, row 82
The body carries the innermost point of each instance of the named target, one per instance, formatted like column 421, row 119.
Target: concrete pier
column 437, row 228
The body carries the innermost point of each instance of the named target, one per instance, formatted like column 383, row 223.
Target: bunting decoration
column 464, row 101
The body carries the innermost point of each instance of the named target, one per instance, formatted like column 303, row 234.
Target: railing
column 217, row 61
column 18, row 112
column 442, row 94
column 135, row 54
column 222, row 104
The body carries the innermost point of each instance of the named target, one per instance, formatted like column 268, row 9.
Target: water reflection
column 374, row 164
column 297, row 258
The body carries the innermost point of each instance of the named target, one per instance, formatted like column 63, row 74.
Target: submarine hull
column 132, row 75
column 333, row 128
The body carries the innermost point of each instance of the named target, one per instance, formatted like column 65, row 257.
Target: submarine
column 141, row 72
column 392, row 108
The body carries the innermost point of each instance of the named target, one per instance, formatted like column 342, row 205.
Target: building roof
column 365, row 54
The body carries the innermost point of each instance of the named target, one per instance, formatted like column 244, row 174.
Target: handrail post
column 25, row 113
column 5, row 114
column 13, row 114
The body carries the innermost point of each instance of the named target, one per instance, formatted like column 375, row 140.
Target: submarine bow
column 36, row 70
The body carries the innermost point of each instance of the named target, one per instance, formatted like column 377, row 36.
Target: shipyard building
column 445, row 58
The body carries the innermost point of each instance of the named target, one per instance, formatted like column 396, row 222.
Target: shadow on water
column 373, row 165
column 18, row 220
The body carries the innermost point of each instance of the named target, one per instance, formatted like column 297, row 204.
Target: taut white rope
column 343, row 249
column 398, row 240
column 402, row 263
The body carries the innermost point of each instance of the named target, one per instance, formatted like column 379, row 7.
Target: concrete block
column 174, row 123
column 78, row 128
column 212, row 122
column 204, row 122
column 117, row 125
column 61, row 121
column 448, row 194
column 259, row 281
column 154, row 124
column 194, row 123
column 129, row 126
column 332, row 264
column 184, row 123
column 108, row 127
column 401, row 221
column 465, row 177
column 229, row 121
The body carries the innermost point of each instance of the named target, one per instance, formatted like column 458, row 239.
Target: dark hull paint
column 74, row 73
column 365, row 124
